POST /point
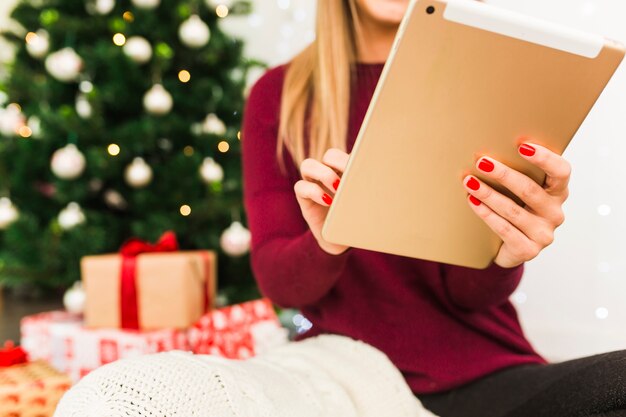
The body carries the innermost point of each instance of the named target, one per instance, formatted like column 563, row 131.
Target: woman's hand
column 526, row 230
column 316, row 190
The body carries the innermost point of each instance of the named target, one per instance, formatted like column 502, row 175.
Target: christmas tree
column 121, row 118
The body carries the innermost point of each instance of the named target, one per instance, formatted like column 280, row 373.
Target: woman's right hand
column 316, row 190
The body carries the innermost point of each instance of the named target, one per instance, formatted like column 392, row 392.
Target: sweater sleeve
column 478, row 289
column 290, row 267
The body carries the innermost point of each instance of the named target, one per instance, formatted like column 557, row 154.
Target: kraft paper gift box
column 147, row 291
column 172, row 289
column 31, row 389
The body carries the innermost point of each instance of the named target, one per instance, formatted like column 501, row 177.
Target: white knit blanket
column 324, row 376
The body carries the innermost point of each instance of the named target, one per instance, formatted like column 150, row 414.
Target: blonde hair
column 315, row 98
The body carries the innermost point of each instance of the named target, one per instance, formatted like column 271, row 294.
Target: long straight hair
column 316, row 90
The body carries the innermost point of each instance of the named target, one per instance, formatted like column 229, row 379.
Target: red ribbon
column 129, row 309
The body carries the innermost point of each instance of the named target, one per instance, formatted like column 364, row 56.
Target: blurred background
column 571, row 299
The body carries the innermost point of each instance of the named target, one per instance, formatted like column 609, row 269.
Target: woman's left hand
column 527, row 230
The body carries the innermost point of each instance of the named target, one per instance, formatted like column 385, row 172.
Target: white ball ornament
column 138, row 49
column 38, row 45
column 213, row 125
column 158, row 100
column 64, row 65
column 214, row 3
column 146, row 4
column 71, row 216
column 68, row 162
column 34, row 123
column 11, row 119
column 211, row 171
column 194, row 33
column 104, row 6
column 83, row 107
column 74, row 298
column 138, row 174
column 235, row 240
column 8, row 213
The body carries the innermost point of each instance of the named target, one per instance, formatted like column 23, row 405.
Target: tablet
column 463, row 79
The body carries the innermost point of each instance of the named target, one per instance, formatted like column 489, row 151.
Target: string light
column 30, row 37
column 239, row 135
column 129, row 16
column 223, row 146
column 185, row 210
column 25, row 131
column 602, row 313
column 113, row 149
column 184, row 76
column 188, row 150
column 119, row 39
column 604, row 210
column 221, row 10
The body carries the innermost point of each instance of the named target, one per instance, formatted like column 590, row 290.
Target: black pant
column 592, row 386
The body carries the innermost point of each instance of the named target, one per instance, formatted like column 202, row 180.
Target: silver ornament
column 68, row 162
column 138, row 174
column 235, row 240
column 38, row 45
column 71, row 216
column 194, row 33
column 158, row 100
column 213, row 125
column 211, row 171
column 146, row 4
column 83, row 107
column 138, row 49
column 8, row 213
column 64, row 65
column 74, row 298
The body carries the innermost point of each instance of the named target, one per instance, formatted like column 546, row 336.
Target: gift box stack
column 148, row 299
column 28, row 389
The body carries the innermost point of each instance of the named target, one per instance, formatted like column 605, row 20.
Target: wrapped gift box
column 31, row 389
column 36, row 332
column 237, row 331
column 173, row 289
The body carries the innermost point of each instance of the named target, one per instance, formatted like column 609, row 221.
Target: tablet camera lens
column 430, row 9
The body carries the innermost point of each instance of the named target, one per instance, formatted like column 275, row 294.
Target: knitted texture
column 320, row 377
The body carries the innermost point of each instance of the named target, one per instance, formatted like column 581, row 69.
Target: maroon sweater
column 441, row 325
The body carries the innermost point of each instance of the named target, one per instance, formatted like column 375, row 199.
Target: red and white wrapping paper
column 238, row 331
column 235, row 332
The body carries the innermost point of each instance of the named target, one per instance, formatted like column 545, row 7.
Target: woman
column 450, row 330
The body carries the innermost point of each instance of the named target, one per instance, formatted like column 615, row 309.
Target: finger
column 313, row 170
column 336, row 159
column 519, row 184
column 522, row 247
column 311, row 191
column 557, row 169
column 533, row 227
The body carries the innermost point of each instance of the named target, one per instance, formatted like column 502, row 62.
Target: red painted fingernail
column 327, row 199
column 485, row 165
column 336, row 184
column 526, row 150
column 474, row 200
column 473, row 184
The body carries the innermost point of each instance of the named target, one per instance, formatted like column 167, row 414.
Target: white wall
column 572, row 297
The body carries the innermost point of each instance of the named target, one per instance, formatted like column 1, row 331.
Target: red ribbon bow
column 130, row 249
column 11, row 355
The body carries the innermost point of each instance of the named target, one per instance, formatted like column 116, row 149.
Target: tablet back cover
column 449, row 93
